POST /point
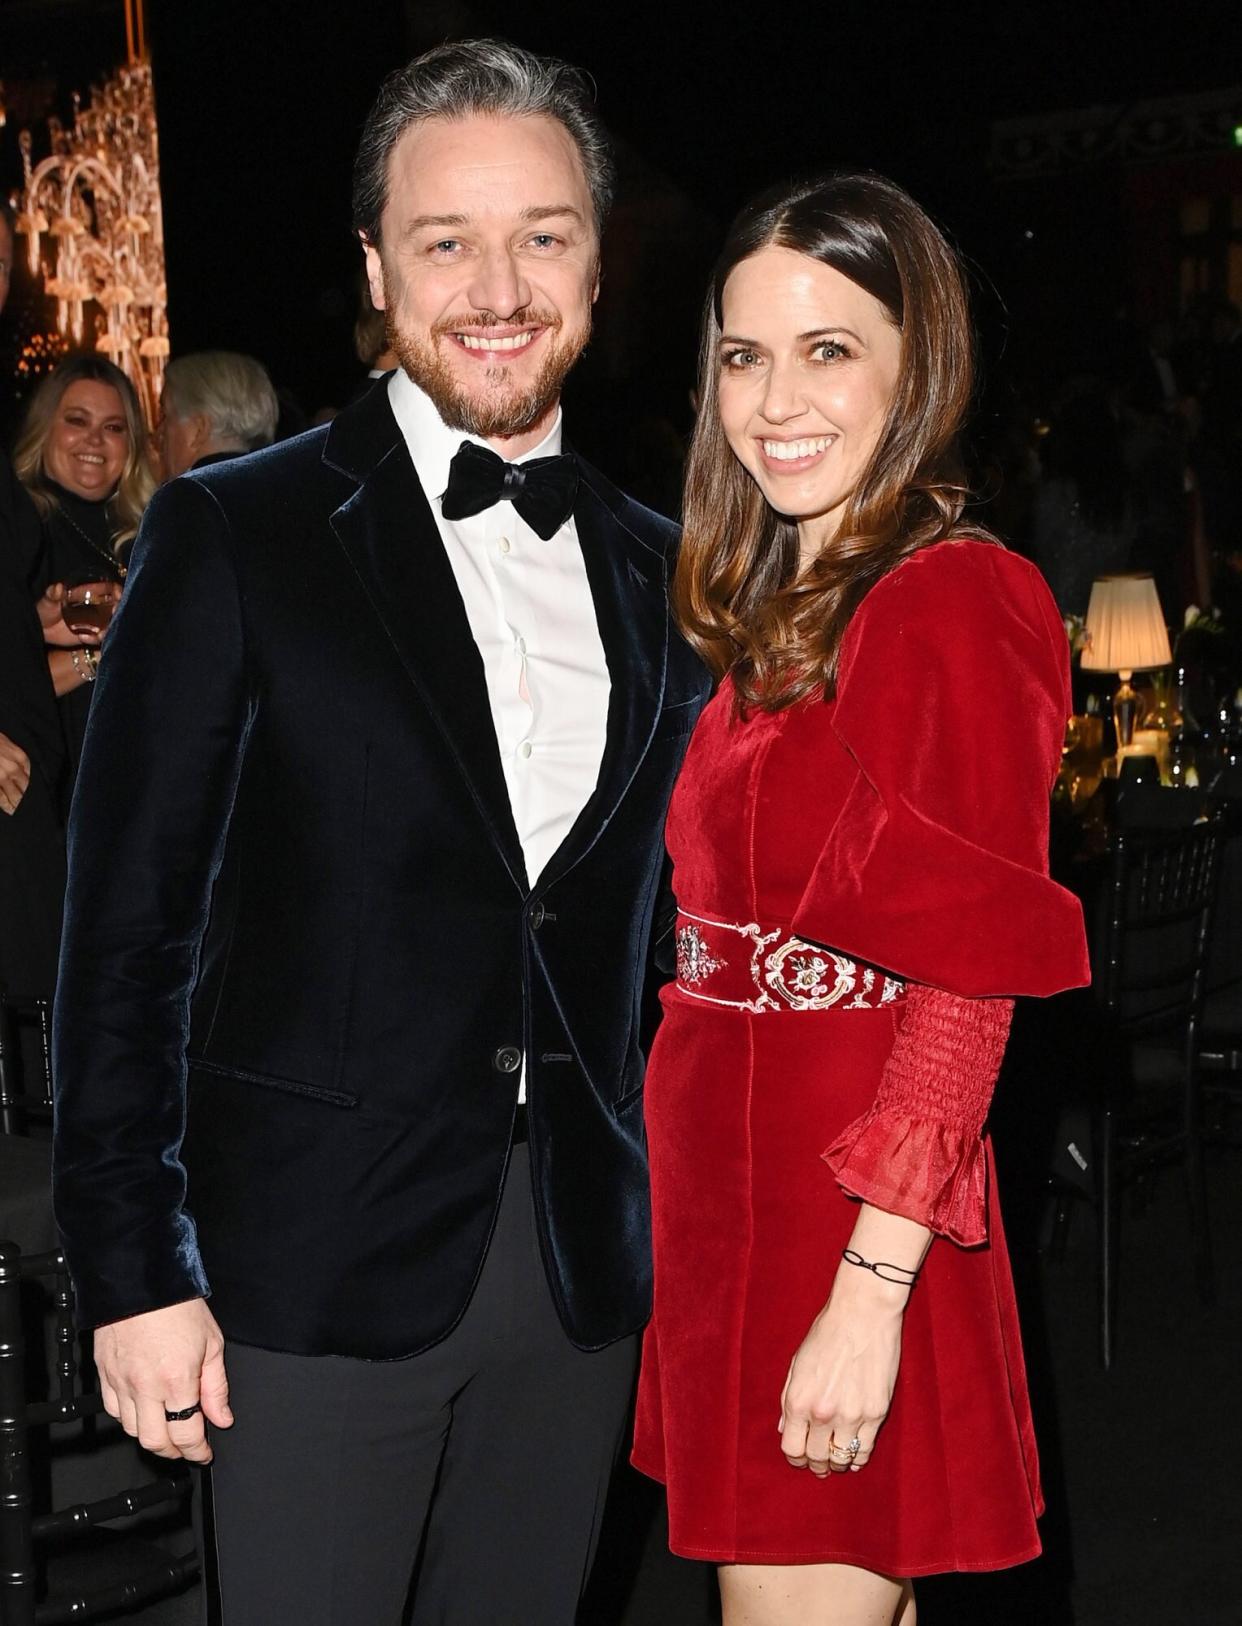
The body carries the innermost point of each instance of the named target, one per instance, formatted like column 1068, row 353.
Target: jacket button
column 537, row 917
column 507, row 1059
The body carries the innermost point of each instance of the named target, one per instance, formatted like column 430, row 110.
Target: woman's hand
column 14, row 775
column 841, row 1380
column 57, row 633
column 69, row 669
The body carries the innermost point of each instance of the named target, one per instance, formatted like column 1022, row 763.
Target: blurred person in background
column 1157, row 417
column 1219, row 448
column 1082, row 521
column 371, row 344
column 216, row 404
column 81, row 456
column 32, row 847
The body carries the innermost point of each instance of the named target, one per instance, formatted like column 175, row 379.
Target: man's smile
column 496, row 342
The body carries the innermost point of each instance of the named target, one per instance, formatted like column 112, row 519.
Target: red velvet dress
column 862, row 889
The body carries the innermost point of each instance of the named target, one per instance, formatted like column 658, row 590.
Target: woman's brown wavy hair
column 738, row 594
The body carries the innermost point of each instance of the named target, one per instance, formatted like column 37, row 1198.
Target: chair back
column 1160, row 894
column 22, row 1531
column 25, row 1100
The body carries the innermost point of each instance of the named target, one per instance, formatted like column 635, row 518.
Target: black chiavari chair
column 24, row 1101
column 1150, row 965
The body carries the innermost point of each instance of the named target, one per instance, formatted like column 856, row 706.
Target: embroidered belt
column 748, row 969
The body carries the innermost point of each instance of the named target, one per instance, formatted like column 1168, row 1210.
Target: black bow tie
column 542, row 490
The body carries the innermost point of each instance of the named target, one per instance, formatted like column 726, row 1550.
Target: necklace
column 119, row 569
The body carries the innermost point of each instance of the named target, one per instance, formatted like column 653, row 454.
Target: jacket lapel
column 390, row 536
column 628, row 582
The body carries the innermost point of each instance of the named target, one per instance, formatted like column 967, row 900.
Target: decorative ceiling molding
column 1128, row 133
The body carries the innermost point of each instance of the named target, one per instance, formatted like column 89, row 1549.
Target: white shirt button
column 504, row 544
column 525, row 748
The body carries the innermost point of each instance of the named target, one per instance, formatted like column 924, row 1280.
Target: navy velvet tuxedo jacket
column 302, row 959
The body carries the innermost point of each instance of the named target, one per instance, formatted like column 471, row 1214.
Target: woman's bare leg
column 813, row 1595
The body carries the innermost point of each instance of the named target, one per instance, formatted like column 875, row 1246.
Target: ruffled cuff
column 927, row 1171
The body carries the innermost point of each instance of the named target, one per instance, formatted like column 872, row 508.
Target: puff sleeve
column 952, row 697
column 951, row 701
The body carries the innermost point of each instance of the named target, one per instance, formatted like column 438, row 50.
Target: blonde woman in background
column 81, row 455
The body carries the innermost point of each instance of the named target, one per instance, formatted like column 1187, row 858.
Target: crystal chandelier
column 96, row 199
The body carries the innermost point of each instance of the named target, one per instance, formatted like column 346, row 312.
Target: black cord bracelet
column 901, row 1276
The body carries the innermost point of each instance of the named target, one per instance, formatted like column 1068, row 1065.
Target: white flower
column 1076, row 631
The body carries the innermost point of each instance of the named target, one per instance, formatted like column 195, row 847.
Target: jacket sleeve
column 163, row 754
column 952, row 698
column 918, row 1150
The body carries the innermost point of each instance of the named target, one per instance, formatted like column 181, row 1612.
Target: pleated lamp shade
column 1125, row 626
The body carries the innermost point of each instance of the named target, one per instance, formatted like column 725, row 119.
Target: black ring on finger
column 183, row 1415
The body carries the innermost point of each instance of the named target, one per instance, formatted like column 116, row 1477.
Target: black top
column 215, row 457
column 27, row 703
column 32, row 852
column 77, row 547
column 78, row 539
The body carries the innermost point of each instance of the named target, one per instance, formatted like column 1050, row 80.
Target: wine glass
column 88, row 605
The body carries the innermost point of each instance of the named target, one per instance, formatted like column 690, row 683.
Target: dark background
column 260, row 106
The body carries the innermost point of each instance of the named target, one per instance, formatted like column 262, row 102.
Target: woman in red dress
column 860, row 863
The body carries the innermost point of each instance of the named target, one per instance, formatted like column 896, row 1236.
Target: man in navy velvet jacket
column 364, row 859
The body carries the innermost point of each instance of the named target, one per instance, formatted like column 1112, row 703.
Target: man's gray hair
column 232, row 390
column 469, row 77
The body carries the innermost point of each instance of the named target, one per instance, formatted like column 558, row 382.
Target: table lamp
column 1125, row 634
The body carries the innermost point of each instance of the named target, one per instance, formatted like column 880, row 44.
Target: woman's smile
column 785, row 457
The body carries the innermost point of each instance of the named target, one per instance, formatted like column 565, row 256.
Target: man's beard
column 501, row 408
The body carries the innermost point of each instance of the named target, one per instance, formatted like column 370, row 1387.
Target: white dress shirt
column 532, row 616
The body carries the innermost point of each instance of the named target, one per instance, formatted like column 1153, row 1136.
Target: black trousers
column 483, row 1463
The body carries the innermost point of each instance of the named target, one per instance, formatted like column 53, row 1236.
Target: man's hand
column 14, row 775
column 161, row 1361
